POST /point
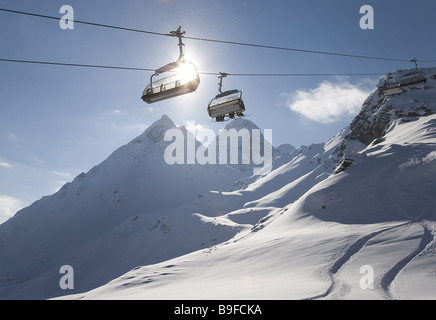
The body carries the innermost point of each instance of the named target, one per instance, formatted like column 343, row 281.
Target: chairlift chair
column 184, row 78
column 226, row 104
column 415, row 78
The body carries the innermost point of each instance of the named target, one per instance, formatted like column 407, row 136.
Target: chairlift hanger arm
column 221, row 76
column 179, row 34
column 415, row 61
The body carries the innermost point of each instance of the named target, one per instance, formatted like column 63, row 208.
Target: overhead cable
column 218, row 41
column 76, row 65
column 202, row 73
column 85, row 22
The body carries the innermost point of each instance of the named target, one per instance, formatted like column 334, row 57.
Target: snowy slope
column 380, row 212
column 131, row 209
column 217, row 232
column 372, row 223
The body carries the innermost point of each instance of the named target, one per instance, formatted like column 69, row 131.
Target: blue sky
column 56, row 122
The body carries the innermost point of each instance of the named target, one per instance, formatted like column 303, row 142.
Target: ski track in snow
column 339, row 289
column 389, row 277
column 342, row 261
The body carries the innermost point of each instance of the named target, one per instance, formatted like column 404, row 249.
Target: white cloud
column 5, row 164
column 140, row 127
column 329, row 102
column 152, row 109
column 62, row 174
column 8, row 207
column 11, row 136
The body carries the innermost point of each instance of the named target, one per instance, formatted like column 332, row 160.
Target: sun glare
column 187, row 72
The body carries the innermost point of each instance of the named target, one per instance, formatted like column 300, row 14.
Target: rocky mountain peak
column 396, row 97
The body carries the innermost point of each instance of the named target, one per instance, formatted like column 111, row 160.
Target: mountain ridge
column 129, row 189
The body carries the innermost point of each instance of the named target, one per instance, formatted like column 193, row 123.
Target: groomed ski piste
column 339, row 220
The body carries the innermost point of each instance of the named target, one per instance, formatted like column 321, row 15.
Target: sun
column 187, row 72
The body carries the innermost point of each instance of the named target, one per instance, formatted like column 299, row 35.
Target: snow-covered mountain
column 134, row 208
column 351, row 218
